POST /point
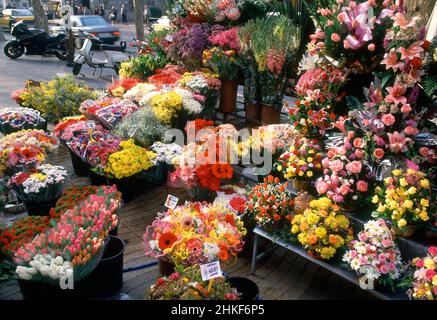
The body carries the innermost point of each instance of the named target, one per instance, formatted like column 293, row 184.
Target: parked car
column 97, row 26
column 9, row 16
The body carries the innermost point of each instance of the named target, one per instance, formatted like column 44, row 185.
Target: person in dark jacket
column 123, row 12
column 113, row 15
column 101, row 11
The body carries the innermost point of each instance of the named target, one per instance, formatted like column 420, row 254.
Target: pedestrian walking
column 101, row 10
column 79, row 11
column 123, row 12
column 146, row 14
column 86, row 11
column 96, row 10
column 113, row 15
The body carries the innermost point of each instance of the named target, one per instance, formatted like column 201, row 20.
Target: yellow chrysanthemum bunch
column 166, row 105
column 321, row 229
column 404, row 199
column 130, row 160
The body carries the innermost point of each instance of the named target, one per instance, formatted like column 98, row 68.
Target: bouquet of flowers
column 188, row 285
column 195, row 233
column 141, row 126
column 74, row 245
column 375, row 253
column 351, row 32
column 111, row 115
column 21, row 232
column 166, row 76
column 142, row 66
column 226, row 39
column 344, row 172
column 424, row 284
column 270, row 204
column 18, row 95
column 322, row 229
column 212, row 11
column 404, row 200
column 317, row 91
column 90, row 106
column 57, row 98
column 165, row 152
column 139, row 91
column 130, row 160
column 119, row 87
column 16, row 119
column 302, row 161
column 223, row 62
column 273, row 54
column 43, row 184
column 167, row 106
column 70, row 198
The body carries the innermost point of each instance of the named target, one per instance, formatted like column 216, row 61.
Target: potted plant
column 375, row 254
column 39, row 188
column 404, row 200
column 322, row 229
column 16, row 119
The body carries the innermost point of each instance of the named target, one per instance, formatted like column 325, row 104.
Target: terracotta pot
column 314, row 255
column 301, row 184
column 406, row 232
column 165, row 266
column 228, row 96
column 253, row 111
column 270, row 115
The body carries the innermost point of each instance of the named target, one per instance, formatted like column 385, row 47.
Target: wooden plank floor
column 283, row 275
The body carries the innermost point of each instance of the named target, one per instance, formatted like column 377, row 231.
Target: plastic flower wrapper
column 43, row 184
column 195, row 233
column 322, row 229
column 405, row 199
column 111, row 115
column 188, row 285
column 142, row 126
column 130, row 160
column 424, row 277
column 74, row 244
column 375, row 253
column 16, row 119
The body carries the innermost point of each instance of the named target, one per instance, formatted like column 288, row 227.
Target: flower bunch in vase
column 404, row 200
column 424, row 282
column 322, row 229
column 375, row 254
column 270, row 204
column 195, row 233
column 41, row 185
column 18, row 118
column 188, row 285
column 74, row 245
column 344, row 178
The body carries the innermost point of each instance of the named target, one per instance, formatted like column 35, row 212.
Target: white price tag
column 171, row 201
column 210, row 270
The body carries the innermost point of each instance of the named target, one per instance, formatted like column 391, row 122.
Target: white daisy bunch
column 144, row 102
column 47, row 175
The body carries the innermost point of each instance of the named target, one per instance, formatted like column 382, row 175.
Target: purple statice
column 196, row 41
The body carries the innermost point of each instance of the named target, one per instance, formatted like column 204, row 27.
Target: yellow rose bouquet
column 322, row 229
column 404, row 200
column 130, row 160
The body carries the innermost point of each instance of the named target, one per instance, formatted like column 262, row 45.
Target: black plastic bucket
column 80, row 168
column 129, row 187
column 107, row 279
column 249, row 290
column 39, row 209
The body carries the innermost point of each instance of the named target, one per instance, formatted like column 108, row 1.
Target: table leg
column 254, row 253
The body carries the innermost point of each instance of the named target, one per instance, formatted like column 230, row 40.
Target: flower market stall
column 337, row 164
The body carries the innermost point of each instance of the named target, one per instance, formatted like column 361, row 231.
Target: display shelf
column 384, row 294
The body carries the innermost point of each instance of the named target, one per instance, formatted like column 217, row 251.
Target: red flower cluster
column 238, row 204
column 127, row 84
column 199, row 124
column 209, row 175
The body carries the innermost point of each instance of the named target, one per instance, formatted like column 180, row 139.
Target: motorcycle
column 34, row 42
column 86, row 55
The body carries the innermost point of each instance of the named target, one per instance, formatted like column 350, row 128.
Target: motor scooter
column 86, row 55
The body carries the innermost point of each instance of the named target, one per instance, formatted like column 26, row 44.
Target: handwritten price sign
column 211, row 270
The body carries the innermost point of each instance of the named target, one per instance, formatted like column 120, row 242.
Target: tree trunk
column 40, row 15
column 139, row 19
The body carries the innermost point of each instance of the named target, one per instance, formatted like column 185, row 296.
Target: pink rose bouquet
column 424, row 284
